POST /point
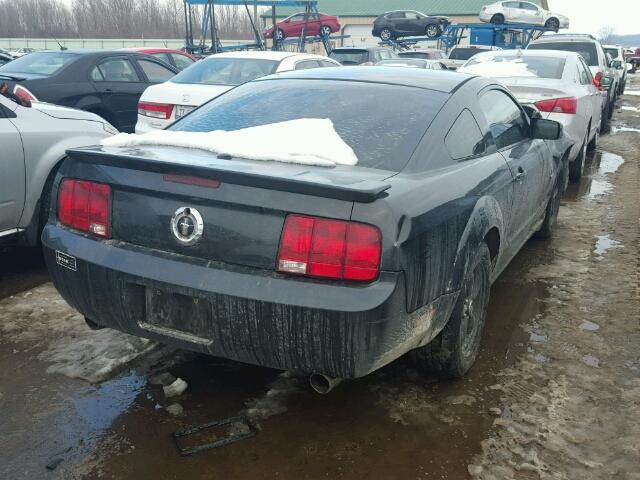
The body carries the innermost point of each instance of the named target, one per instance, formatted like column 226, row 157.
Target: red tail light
column 597, row 79
column 24, row 94
column 558, row 105
column 85, row 206
column 155, row 110
column 323, row 248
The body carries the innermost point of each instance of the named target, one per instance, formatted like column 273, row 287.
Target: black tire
column 386, row 34
column 552, row 23
column 279, row 35
column 433, row 31
column 605, row 127
column 593, row 143
column 553, row 207
column 497, row 19
column 45, row 200
column 325, row 31
column 577, row 166
column 612, row 107
column 453, row 352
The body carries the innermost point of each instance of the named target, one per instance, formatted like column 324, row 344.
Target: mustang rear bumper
column 239, row 313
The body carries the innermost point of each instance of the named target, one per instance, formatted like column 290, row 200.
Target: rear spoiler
column 364, row 191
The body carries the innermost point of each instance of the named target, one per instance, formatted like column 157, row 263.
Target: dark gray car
column 324, row 270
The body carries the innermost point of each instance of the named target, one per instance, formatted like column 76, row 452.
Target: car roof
column 528, row 53
column 260, row 55
column 565, row 37
column 86, row 51
column 152, row 50
column 440, row 81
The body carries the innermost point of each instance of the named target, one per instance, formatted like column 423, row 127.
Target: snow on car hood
column 307, row 141
column 183, row 93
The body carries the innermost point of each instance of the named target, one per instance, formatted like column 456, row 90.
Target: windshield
column 40, row 63
column 350, row 57
column 586, row 49
column 516, row 66
column 226, row 71
column 385, row 140
column 463, row 53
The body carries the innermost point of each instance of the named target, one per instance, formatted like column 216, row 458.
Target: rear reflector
column 324, row 248
column 558, row 105
column 155, row 110
column 84, row 206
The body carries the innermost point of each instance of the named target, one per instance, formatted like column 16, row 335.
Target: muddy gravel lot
column 554, row 395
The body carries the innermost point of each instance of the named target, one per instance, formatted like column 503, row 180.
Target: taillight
column 597, row 79
column 324, row 248
column 84, row 206
column 558, row 105
column 24, row 94
column 155, row 110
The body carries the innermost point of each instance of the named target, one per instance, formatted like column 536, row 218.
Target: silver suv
column 604, row 75
column 619, row 63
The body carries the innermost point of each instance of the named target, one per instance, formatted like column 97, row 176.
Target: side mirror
column 606, row 81
column 545, row 129
column 617, row 64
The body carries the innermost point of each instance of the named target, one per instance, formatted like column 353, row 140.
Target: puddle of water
column 609, row 163
column 622, row 129
column 604, row 243
column 589, row 326
column 599, row 187
column 635, row 93
column 629, row 108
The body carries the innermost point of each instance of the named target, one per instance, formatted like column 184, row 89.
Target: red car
column 317, row 24
column 176, row 58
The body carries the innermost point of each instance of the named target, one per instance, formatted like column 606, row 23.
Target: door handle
column 520, row 175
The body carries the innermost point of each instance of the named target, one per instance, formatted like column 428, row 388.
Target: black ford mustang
column 406, row 23
column 335, row 271
column 108, row 83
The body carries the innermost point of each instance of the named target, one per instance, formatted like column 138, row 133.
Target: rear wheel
column 604, row 122
column 386, row 34
column 452, row 353
column 325, row 31
column 433, row 31
column 551, row 213
column 552, row 23
column 280, row 34
column 593, row 144
column 497, row 19
column 577, row 166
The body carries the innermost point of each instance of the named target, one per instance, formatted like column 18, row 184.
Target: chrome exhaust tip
column 323, row 384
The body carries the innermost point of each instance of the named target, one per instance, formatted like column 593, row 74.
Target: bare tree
column 607, row 34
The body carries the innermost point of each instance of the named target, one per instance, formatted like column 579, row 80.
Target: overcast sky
column 589, row 16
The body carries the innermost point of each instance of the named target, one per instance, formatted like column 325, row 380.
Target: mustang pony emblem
column 187, row 225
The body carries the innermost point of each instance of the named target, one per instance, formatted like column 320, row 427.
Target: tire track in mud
column 571, row 405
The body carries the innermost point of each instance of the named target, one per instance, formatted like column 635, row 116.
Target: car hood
column 183, row 93
column 65, row 113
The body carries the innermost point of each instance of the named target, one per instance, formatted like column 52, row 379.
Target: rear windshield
column 40, row 63
column 383, row 140
column 586, row 49
column 350, row 57
column 226, row 71
column 516, row 66
column 613, row 52
column 414, row 55
column 464, row 53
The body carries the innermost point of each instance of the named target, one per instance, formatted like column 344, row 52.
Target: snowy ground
column 555, row 393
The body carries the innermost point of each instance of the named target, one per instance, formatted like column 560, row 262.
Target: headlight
column 110, row 129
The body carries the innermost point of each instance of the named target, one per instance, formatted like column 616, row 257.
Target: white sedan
column 522, row 12
column 558, row 83
column 160, row 105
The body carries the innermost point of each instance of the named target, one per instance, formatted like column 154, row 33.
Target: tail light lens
column 324, row 248
column 558, row 105
column 24, row 94
column 84, row 206
column 155, row 110
column 597, row 79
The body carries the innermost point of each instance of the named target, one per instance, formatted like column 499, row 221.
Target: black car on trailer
column 408, row 23
column 334, row 271
column 108, row 83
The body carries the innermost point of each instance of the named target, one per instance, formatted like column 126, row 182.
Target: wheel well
column 492, row 239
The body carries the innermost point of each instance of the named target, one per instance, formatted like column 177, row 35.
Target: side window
column 528, row 6
column 307, row 64
column 182, row 61
column 324, row 63
column 587, row 71
column 162, row 56
column 506, row 121
column 464, row 139
column 396, row 15
column 583, row 76
column 155, row 72
column 114, row 69
column 412, row 16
